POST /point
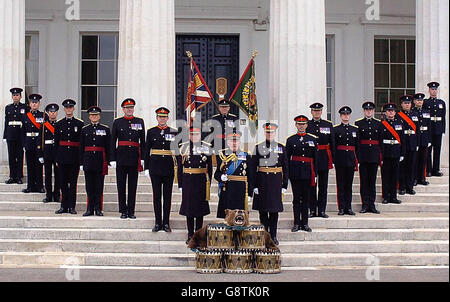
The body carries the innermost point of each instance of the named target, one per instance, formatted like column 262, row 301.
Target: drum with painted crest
column 267, row 262
column 219, row 237
column 238, row 262
column 251, row 238
column 208, row 262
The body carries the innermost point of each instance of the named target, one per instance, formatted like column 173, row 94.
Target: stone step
column 179, row 247
column 179, row 222
column 181, row 260
column 181, row 235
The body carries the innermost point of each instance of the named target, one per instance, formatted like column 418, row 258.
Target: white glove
column 256, row 191
column 224, row 177
column 113, row 164
column 147, row 173
column 417, row 148
column 283, row 191
column 181, row 190
column 41, row 160
column 142, row 163
column 81, row 168
column 4, row 140
column 429, row 145
column 401, row 158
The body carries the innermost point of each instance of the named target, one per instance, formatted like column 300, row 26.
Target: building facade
column 99, row 52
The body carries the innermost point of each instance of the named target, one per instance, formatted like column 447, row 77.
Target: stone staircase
column 414, row 233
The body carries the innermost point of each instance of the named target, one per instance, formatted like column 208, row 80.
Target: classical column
column 12, row 56
column 147, row 56
column 297, row 60
column 432, row 47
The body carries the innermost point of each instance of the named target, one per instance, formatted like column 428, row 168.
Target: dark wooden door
column 215, row 56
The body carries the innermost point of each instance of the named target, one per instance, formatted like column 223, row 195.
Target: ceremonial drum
column 219, row 238
column 208, row 262
column 268, row 262
column 251, row 238
column 238, row 262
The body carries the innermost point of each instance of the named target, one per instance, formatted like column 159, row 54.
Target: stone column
column 12, row 56
column 432, row 47
column 297, row 60
column 147, row 56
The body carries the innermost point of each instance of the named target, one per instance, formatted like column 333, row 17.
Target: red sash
column 33, row 120
column 69, row 144
column 392, row 131
column 350, row 148
column 308, row 160
column 330, row 158
column 137, row 145
column 99, row 149
column 50, row 127
column 408, row 120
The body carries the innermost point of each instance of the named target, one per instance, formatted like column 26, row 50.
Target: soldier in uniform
column 13, row 137
column 423, row 130
column 235, row 175
column 31, row 135
column 437, row 111
column 95, row 145
column 67, row 140
column 48, row 155
column 323, row 129
column 194, row 180
column 271, row 181
column 345, row 160
column 369, row 130
column 160, row 164
column 407, row 168
column 393, row 153
column 228, row 123
column 301, row 151
column 127, row 149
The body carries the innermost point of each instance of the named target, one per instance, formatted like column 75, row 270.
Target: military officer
column 95, row 142
column 301, row 151
column 223, row 124
column 48, row 155
column 235, row 175
column 13, row 137
column 271, row 181
column 369, row 157
column 127, row 149
column 194, row 180
column 67, row 140
column 345, row 158
column 393, row 153
column 407, row 168
column 31, row 134
column 323, row 129
column 437, row 109
column 160, row 165
column 423, row 130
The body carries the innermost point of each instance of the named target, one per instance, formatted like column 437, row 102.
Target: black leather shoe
column 401, row 192
column 98, row 213
column 438, row 174
column 350, row 212
column 167, row 228
column 62, row 211
column 88, row 213
column 375, row 211
column 423, row 183
column 19, row 181
column 323, row 215
column 275, row 240
column 385, row 201
column 47, row 199
column 306, row 228
column 10, row 181
column 415, row 183
column 27, row 190
column 341, row 212
column 131, row 216
column 296, row 228
column 396, row 201
column 124, row 216
column 313, row 214
column 156, row 228
column 189, row 239
column 72, row 211
column 364, row 210
column 411, row 192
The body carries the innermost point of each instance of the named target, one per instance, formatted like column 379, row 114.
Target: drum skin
column 238, row 262
column 267, row 262
column 208, row 262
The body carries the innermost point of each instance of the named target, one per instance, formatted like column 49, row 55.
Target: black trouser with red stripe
column 191, row 221
column 69, row 179
column 94, row 190
column 301, row 189
column 344, row 183
column 49, row 167
column 422, row 156
column 15, row 158
column 407, row 171
column 319, row 199
column 436, row 143
column 389, row 175
column 368, row 182
column 124, row 172
column 162, row 184
column 34, row 171
column 270, row 222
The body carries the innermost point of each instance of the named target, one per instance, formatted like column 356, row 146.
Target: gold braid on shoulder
column 225, row 159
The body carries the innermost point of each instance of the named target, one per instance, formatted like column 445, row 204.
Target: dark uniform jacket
column 160, row 139
column 369, row 129
column 270, row 155
column 68, row 130
column 346, row 136
column 232, row 193
column 227, row 124
column 127, row 130
column 411, row 140
column 48, row 151
column 195, row 186
column 31, row 134
column 13, row 121
column 324, row 130
column 423, row 126
column 391, row 150
column 94, row 135
column 301, row 146
column 438, row 111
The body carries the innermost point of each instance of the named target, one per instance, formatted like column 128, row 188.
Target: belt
column 436, row 118
column 410, row 132
column 307, row 160
column 99, row 149
column 32, row 134
column 49, row 142
column 160, row 152
column 350, row 148
column 137, row 145
column 69, row 144
column 15, row 123
column 270, row 169
column 237, row 178
column 390, row 142
column 330, row 158
column 423, row 128
column 200, row 171
column 369, row 142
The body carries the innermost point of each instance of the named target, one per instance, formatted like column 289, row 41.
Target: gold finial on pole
column 255, row 53
column 189, row 54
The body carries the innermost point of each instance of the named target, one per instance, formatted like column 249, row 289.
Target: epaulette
column 78, row 119
column 354, row 126
column 260, row 142
column 60, row 119
column 376, row 119
column 312, row 135
column 86, row 126
column 231, row 114
column 329, row 122
column 215, row 115
column 336, row 125
column 205, row 143
column 282, row 144
column 360, row 119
